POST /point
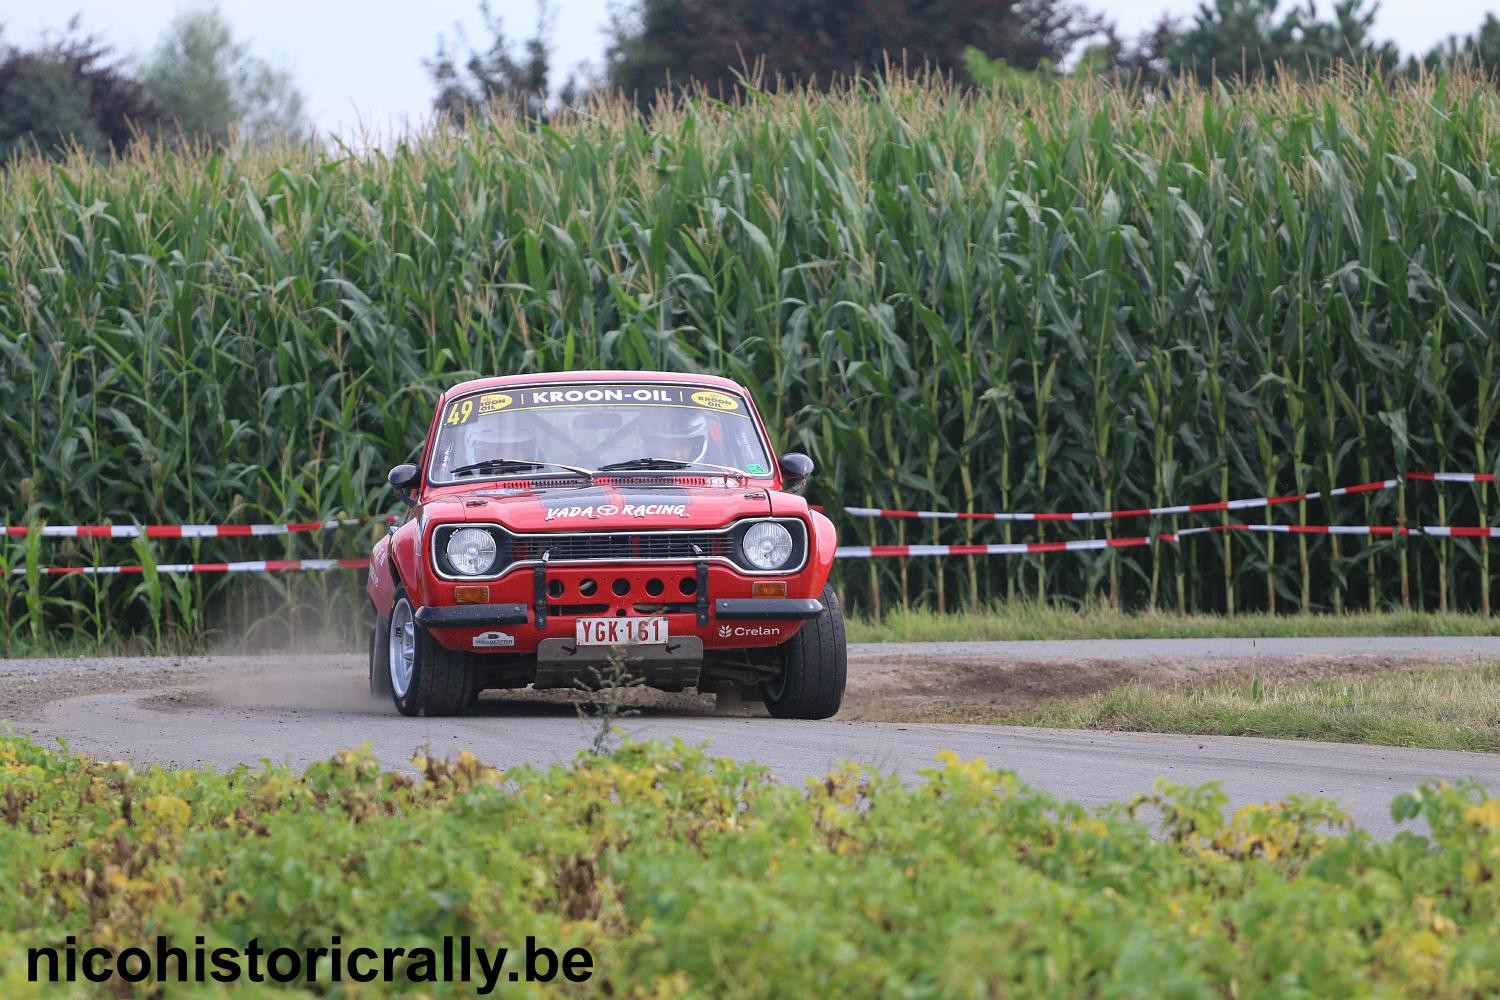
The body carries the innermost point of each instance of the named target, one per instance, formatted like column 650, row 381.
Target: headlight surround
column 767, row 545
column 471, row 551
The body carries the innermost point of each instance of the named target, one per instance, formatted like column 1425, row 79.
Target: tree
column 68, row 93
column 655, row 43
column 1147, row 59
column 211, row 86
column 998, row 74
column 498, row 77
column 1246, row 39
column 1482, row 48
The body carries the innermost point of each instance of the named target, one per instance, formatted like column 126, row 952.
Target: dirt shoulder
column 967, row 682
column 956, row 681
column 335, row 682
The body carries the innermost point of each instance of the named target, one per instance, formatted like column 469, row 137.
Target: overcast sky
column 360, row 61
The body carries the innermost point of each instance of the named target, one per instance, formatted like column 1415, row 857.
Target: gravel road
column 223, row 710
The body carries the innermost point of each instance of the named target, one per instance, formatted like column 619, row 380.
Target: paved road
column 221, row 711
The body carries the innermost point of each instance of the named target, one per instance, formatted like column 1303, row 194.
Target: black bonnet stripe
column 591, row 497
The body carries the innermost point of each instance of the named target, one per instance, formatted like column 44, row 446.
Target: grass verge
column 1442, row 708
column 689, row 875
column 1029, row 620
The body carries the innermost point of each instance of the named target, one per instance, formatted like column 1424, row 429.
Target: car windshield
column 551, row 429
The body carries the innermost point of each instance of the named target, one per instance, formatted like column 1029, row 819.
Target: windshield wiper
column 644, row 463
column 666, row 463
column 503, row 465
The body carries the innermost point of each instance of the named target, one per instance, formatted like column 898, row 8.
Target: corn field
column 1073, row 300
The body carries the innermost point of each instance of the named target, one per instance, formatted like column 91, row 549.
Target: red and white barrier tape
column 1452, row 477
column 180, row 530
column 1380, row 530
column 1110, row 515
column 858, row 551
column 253, row 566
column 1094, row 544
column 843, row 551
column 1251, row 503
column 1323, row 529
column 1461, row 531
column 1007, row 549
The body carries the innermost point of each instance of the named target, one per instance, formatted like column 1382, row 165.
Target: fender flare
column 825, row 542
column 396, row 561
column 407, row 562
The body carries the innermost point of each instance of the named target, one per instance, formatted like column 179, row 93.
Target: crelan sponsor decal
column 747, row 631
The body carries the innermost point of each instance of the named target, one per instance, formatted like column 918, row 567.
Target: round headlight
column 471, row 551
column 767, row 545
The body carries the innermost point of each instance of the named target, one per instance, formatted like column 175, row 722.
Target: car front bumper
column 708, row 600
column 725, row 609
column 767, row 608
column 472, row 615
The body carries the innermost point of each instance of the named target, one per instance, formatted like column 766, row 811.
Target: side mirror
column 795, row 468
column 403, row 478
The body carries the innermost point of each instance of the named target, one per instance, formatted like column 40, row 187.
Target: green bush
column 1068, row 297
column 691, row 875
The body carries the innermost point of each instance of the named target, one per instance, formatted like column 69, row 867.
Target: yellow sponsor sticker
column 715, row 400
column 493, row 402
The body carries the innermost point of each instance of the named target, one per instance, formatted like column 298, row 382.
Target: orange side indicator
column 768, row 588
column 471, row 595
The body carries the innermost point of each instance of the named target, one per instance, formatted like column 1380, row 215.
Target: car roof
column 550, row 378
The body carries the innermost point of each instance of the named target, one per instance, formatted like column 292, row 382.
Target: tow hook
column 539, row 580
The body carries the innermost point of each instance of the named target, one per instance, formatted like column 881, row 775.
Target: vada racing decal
column 610, row 510
column 596, row 503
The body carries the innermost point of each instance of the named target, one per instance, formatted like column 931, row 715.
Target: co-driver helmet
column 676, row 434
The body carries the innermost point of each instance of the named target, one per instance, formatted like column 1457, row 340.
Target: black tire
column 440, row 682
column 380, row 658
column 814, row 666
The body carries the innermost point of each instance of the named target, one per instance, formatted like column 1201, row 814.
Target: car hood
column 633, row 504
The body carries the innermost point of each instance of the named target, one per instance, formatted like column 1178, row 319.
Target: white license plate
column 621, row 631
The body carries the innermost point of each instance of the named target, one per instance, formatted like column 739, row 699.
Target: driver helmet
column 679, row 435
column 504, row 435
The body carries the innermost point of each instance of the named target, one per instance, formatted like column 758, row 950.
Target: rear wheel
column 814, row 665
column 425, row 678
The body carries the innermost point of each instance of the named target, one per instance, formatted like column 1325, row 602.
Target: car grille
column 655, row 546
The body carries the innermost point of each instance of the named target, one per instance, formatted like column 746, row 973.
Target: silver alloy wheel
column 403, row 646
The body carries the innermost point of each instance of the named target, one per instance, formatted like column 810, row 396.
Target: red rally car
column 566, row 530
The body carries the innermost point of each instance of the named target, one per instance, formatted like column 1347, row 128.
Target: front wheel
column 814, row 666
column 380, row 658
column 425, row 678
